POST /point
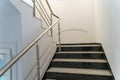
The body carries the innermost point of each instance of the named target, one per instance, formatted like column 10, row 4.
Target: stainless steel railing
column 47, row 18
column 14, row 60
column 50, row 25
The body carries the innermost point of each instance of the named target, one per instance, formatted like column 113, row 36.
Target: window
column 5, row 57
column 30, row 2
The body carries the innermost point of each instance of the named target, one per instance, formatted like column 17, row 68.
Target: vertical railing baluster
column 38, row 62
column 59, row 37
column 34, row 2
column 51, row 19
column 11, row 56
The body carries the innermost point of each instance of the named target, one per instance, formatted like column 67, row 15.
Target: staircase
column 85, row 61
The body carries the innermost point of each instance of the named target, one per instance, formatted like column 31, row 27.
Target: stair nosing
column 80, row 52
column 80, row 60
column 80, row 71
column 79, row 45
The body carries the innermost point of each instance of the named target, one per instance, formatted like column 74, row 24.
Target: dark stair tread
column 80, row 63
column 79, row 56
column 81, row 48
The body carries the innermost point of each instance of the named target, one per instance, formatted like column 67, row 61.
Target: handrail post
column 38, row 62
column 23, row 52
column 59, row 39
column 34, row 1
column 11, row 73
column 51, row 24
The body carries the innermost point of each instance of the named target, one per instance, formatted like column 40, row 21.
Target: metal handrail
column 43, row 11
column 35, row 41
column 47, row 23
column 36, row 64
column 14, row 60
column 51, row 9
column 52, row 13
column 44, row 18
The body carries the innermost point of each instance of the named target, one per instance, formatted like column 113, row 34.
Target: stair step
column 67, row 76
column 80, row 63
column 85, row 61
column 79, row 45
column 82, row 60
column 79, row 55
column 80, row 48
column 80, row 71
column 81, row 52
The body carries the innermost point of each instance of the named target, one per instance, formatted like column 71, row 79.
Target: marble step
column 80, row 48
column 77, row 74
column 82, row 60
column 79, row 45
column 81, row 52
column 80, row 71
column 80, row 55
column 80, row 63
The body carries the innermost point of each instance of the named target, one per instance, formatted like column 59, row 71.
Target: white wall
column 10, row 23
column 30, row 26
column 107, row 31
column 47, row 49
column 10, row 29
column 23, row 26
column 77, row 20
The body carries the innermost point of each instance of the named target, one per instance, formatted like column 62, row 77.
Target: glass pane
column 30, row 2
column 5, row 57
